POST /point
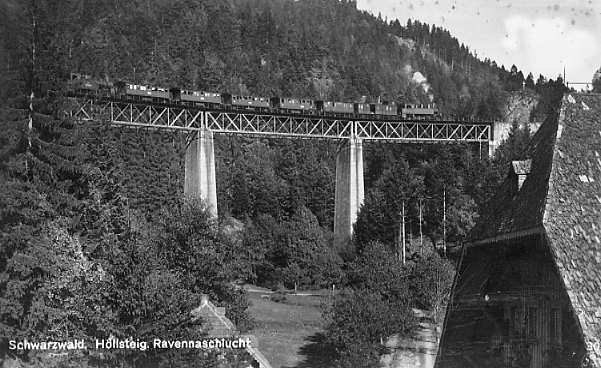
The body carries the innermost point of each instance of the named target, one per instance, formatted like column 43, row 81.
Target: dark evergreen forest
column 96, row 239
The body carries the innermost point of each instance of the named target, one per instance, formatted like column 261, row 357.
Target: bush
column 380, row 270
column 360, row 356
column 376, row 305
column 279, row 297
column 359, row 321
column 431, row 281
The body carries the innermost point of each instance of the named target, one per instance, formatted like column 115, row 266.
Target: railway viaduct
column 201, row 126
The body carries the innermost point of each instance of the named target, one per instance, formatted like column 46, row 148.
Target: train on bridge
column 82, row 85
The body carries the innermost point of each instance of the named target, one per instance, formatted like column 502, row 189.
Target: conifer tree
column 530, row 81
column 597, row 81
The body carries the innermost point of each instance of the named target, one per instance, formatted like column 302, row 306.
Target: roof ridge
column 558, row 134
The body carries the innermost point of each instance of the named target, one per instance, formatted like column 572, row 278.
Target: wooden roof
column 560, row 199
column 572, row 217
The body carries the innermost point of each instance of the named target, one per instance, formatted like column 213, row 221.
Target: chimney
column 521, row 169
column 204, row 300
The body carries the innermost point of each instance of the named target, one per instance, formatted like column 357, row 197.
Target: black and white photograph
column 300, row 183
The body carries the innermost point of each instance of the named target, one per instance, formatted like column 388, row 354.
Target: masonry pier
column 349, row 187
column 199, row 179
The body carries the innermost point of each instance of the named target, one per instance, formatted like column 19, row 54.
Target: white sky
column 538, row 36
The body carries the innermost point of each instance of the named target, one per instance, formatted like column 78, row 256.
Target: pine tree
column 530, row 81
column 597, row 81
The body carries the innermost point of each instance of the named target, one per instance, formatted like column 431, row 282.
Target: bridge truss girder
column 137, row 115
column 264, row 124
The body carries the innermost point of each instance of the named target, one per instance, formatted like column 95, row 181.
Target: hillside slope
column 313, row 48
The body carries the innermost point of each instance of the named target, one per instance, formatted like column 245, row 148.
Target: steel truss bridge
column 190, row 119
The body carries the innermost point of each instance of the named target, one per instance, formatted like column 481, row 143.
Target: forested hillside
column 313, row 48
column 109, row 199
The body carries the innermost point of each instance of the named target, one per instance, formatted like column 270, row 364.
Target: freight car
column 196, row 98
column 332, row 108
column 252, row 103
column 147, row 94
column 292, row 105
column 369, row 110
column 418, row 111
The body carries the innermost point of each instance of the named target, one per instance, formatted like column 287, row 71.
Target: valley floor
column 290, row 332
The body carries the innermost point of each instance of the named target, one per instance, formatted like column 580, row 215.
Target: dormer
column 521, row 169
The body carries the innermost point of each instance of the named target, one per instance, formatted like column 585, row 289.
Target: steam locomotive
column 85, row 85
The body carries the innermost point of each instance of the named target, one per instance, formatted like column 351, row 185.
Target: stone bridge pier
column 199, row 180
column 349, row 187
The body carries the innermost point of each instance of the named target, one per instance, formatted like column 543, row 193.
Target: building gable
column 554, row 210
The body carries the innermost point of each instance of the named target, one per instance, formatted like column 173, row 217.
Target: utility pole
column 421, row 234
column 32, row 86
column 403, row 255
column 444, row 221
column 399, row 238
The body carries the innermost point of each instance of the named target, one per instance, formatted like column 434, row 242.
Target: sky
column 538, row 36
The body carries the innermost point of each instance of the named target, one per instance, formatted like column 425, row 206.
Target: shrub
column 380, row 270
column 279, row 297
column 430, row 282
column 358, row 322
column 376, row 304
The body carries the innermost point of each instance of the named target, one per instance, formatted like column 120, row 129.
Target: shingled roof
column 561, row 199
column 572, row 218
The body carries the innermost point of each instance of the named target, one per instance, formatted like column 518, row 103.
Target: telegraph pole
column 399, row 238
column 403, row 232
column 32, row 86
column 444, row 221
column 421, row 234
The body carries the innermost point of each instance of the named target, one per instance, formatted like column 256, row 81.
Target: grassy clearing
column 289, row 332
